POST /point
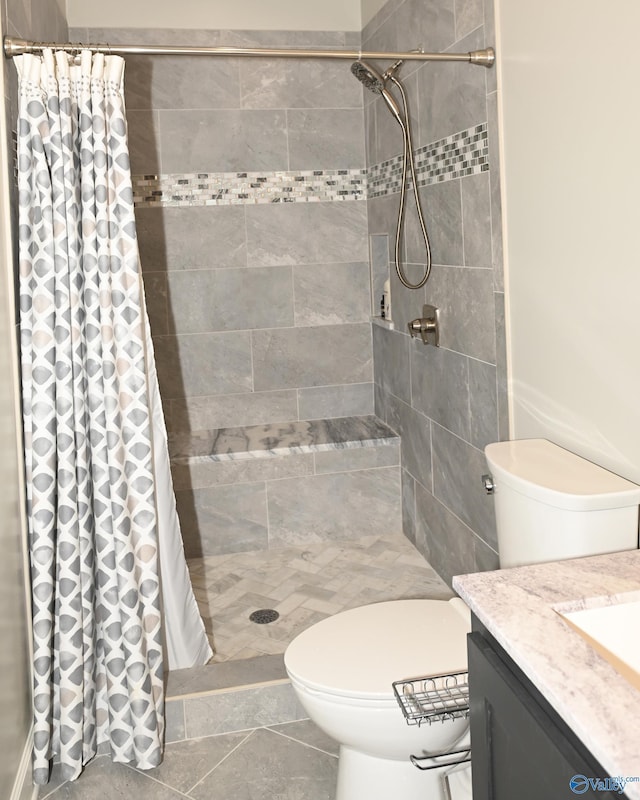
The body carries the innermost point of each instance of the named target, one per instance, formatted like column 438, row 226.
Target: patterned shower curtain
column 91, row 491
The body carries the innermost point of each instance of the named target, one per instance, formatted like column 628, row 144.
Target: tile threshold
column 227, row 676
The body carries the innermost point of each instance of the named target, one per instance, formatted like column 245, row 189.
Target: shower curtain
column 101, row 513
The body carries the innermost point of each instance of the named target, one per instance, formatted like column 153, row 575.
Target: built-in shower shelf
column 383, row 323
column 434, row 699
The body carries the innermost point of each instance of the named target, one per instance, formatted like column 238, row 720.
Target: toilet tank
column 552, row 504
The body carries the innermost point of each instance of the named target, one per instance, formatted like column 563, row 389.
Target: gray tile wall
column 261, row 503
column 260, row 313
column 446, row 403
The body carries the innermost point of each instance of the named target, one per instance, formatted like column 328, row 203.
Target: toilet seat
column 359, row 653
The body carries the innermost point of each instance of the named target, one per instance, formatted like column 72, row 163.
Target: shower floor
column 304, row 584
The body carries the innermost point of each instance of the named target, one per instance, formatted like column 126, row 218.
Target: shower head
column 375, row 82
column 368, row 76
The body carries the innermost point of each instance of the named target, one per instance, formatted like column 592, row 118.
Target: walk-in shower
column 377, row 83
column 205, row 404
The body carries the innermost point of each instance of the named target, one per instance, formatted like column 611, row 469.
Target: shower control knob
column 426, row 327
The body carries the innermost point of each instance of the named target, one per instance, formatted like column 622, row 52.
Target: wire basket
column 436, row 699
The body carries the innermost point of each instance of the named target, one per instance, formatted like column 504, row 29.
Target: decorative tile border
column 457, row 156
column 240, row 188
column 462, row 154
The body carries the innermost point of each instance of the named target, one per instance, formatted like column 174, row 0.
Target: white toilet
column 550, row 505
column 342, row 669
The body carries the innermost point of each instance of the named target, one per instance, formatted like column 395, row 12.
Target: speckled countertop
column 517, row 606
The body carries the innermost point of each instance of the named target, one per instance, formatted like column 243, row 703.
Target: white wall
column 325, row 15
column 570, row 123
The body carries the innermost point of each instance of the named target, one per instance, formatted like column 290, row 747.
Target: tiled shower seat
column 274, row 485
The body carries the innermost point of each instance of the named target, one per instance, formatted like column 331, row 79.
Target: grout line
column 299, row 741
column 433, row 481
column 246, row 738
column 469, row 409
column 160, row 783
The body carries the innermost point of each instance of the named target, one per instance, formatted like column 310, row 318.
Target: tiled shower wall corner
column 446, row 403
column 259, row 312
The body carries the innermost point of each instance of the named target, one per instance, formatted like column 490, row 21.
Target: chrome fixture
column 376, row 83
column 369, row 78
column 488, row 484
column 17, row 47
column 427, row 326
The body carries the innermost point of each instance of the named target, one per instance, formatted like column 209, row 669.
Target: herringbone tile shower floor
column 303, row 584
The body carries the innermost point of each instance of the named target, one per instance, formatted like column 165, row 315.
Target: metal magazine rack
column 435, row 699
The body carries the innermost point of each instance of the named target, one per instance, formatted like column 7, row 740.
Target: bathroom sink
column 611, row 629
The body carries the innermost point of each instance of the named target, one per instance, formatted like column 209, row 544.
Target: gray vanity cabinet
column 521, row 748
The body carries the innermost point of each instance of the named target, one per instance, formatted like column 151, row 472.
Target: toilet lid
column 361, row 652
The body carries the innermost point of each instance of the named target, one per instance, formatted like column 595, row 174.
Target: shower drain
column 264, row 616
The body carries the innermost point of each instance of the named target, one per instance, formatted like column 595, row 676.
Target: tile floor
column 303, row 584
column 289, row 761
column 293, row 761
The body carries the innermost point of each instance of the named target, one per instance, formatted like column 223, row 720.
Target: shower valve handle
column 427, row 326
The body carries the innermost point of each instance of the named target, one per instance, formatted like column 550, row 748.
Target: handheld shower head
column 375, row 82
column 368, row 76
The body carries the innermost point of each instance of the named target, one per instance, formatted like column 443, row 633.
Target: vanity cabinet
column 521, row 748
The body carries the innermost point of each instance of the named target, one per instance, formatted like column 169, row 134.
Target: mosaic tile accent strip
column 457, row 156
column 240, row 188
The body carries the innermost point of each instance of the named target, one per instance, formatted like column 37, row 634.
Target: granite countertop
column 517, row 606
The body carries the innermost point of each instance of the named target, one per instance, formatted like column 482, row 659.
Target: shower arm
column 15, row 47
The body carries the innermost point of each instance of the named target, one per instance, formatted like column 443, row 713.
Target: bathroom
column 573, row 378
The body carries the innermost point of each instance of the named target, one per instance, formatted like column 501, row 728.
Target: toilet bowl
column 342, row 670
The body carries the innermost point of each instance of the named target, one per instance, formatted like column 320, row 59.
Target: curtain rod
column 15, row 47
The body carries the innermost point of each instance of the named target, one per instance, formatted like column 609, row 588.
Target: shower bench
column 281, row 484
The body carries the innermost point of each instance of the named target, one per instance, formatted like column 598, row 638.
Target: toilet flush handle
column 489, row 485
